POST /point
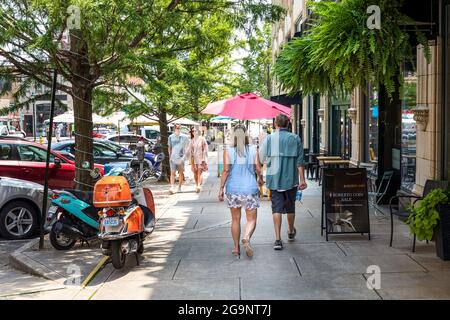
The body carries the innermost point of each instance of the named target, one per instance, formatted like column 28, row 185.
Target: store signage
column 345, row 206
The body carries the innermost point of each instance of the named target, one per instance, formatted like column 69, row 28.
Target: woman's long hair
column 240, row 140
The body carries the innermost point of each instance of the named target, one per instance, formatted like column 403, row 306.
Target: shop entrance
column 340, row 131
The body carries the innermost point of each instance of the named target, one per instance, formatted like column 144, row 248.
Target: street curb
column 20, row 261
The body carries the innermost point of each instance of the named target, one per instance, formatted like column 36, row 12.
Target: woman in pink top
column 199, row 154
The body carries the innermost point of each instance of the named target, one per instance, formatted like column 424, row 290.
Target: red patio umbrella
column 247, row 106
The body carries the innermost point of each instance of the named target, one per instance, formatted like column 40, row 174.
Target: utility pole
column 47, row 162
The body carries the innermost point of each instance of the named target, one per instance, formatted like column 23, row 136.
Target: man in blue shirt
column 178, row 144
column 284, row 152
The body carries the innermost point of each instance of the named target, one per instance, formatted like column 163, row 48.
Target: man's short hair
column 282, row 120
column 178, row 126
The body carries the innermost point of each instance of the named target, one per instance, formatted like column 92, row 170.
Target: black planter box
column 442, row 234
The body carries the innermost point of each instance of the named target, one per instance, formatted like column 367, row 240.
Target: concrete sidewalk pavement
column 189, row 257
column 29, row 273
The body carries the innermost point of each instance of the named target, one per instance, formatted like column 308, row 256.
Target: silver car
column 20, row 208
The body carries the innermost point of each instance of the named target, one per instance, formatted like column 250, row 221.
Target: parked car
column 11, row 131
column 102, row 133
column 26, row 160
column 129, row 140
column 151, row 133
column 20, row 208
column 151, row 159
column 117, row 147
column 102, row 152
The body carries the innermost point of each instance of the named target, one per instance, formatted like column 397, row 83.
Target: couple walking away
column 179, row 148
column 242, row 174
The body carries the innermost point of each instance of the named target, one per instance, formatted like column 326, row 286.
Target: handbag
column 204, row 164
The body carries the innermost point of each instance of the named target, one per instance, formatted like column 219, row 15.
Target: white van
column 151, row 132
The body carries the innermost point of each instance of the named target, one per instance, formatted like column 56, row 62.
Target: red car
column 22, row 159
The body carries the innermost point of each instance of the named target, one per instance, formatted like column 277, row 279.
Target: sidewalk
column 29, row 273
column 189, row 257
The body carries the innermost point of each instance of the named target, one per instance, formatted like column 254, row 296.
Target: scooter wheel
column 59, row 241
column 140, row 249
column 118, row 257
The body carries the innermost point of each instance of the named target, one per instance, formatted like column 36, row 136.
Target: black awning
column 425, row 13
column 287, row 100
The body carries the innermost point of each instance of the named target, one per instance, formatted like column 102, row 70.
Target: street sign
column 345, row 205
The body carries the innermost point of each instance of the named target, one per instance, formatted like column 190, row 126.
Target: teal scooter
column 73, row 217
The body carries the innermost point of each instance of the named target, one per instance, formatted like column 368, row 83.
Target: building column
column 357, row 114
column 428, row 117
column 323, row 115
column 304, row 122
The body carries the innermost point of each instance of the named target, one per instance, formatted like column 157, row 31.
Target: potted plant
column 430, row 220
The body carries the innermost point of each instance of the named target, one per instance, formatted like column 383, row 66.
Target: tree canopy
column 339, row 52
column 115, row 39
column 255, row 75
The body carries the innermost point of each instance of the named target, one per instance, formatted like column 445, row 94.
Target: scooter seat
column 92, row 212
column 85, row 196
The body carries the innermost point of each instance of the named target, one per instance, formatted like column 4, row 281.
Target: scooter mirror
column 95, row 173
column 160, row 157
column 86, row 165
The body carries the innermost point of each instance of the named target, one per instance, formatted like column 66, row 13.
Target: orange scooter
column 127, row 217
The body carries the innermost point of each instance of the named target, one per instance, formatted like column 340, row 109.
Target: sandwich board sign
column 345, row 205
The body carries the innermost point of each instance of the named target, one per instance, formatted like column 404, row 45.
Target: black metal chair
column 311, row 163
column 398, row 209
column 377, row 195
column 371, row 174
column 307, row 162
column 319, row 168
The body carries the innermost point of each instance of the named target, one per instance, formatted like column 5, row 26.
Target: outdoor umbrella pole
column 47, row 162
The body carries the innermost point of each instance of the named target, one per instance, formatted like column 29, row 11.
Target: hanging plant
column 339, row 51
column 424, row 217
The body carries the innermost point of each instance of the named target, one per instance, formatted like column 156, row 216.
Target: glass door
column 409, row 131
column 340, row 131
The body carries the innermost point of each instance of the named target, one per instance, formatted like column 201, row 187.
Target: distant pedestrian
column 47, row 132
column 198, row 150
column 286, row 164
column 239, row 186
column 58, row 132
column 178, row 144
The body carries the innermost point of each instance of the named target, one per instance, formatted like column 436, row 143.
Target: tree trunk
column 165, row 170
column 82, row 111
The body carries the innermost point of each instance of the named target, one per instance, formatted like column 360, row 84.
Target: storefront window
column 409, row 102
column 446, row 44
column 373, row 112
column 340, row 127
column 314, row 123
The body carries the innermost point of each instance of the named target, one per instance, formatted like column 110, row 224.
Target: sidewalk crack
column 424, row 268
column 294, row 262
column 341, row 249
column 240, row 289
column 176, row 269
column 375, row 290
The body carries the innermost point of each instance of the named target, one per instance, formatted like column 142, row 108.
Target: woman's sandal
column 237, row 253
column 248, row 248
